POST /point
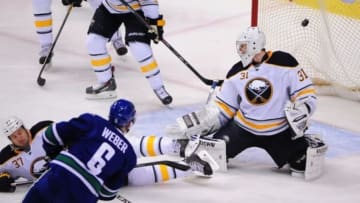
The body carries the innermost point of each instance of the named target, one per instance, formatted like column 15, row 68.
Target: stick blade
column 41, row 81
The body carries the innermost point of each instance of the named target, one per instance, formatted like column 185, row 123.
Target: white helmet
column 255, row 42
column 11, row 125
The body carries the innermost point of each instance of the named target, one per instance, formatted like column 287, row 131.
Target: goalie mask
column 250, row 43
column 11, row 125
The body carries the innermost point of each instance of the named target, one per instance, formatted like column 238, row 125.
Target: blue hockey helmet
column 122, row 113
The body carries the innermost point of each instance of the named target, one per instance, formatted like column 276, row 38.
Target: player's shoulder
column 39, row 126
column 236, row 68
column 6, row 153
column 281, row 58
column 90, row 117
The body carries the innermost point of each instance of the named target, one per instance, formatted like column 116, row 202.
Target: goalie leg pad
column 217, row 149
column 315, row 156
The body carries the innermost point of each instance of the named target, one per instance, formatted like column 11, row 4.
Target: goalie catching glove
column 297, row 115
column 202, row 122
column 156, row 30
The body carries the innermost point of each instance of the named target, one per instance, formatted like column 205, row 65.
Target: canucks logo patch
column 258, row 91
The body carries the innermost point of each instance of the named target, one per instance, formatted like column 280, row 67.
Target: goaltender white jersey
column 255, row 97
column 19, row 163
column 149, row 7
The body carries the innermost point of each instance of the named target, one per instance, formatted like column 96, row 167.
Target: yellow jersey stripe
column 304, row 92
column 225, row 108
column 164, row 172
column 101, row 62
column 135, row 6
column 150, row 146
column 257, row 126
column 152, row 66
column 43, row 23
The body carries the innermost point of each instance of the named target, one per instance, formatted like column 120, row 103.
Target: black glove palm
column 75, row 3
column 156, row 32
column 5, row 183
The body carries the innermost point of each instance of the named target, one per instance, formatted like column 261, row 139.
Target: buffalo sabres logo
column 258, row 91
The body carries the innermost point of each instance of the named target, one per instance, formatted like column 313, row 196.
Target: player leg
column 154, row 173
column 236, row 139
column 161, row 171
column 139, row 45
column 284, row 150
column 315, row 156
column 103, row 26
column 116, row 38
column 298, row 153
column 309, row 162
column 43, row 26
column 155, row 146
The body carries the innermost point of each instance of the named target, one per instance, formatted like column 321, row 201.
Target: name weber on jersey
column 115, row 139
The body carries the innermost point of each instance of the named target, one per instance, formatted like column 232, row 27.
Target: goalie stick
column 41, row 81
column 172, row 49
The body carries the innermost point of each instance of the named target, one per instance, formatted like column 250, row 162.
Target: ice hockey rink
column 204, row 33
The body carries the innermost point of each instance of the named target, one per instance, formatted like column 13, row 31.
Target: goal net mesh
column 323, row 35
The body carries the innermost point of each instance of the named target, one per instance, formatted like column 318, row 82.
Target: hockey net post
column 323, row 35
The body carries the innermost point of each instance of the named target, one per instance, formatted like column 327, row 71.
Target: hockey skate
column 119, row 46
column 163, row 95
column 44, row 52
column 102, row 91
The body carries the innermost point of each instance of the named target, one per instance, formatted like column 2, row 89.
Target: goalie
column 265, row 102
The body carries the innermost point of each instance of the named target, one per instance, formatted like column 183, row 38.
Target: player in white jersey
column 43, row 25
column 21, row 158
column 25, row 156
column 107, row 19
column 265, row 102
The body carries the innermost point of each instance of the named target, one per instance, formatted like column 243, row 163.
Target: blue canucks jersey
column 96, row 153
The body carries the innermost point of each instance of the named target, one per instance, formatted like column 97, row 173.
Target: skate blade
column 102, row 95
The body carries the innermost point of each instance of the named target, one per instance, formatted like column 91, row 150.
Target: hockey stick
column 25, row 182
column 167, row 44
column 212, row 90
column 41, row 81
column 173, row 164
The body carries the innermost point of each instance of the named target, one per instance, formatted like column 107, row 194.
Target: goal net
column 323, row 35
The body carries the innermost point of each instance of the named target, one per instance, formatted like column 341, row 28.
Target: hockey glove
column 156, row 30
column 75, row 3
column 203, row 122
column 5, row 183
column 297, row 115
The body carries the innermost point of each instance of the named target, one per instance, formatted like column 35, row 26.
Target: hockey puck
column 305, row 22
